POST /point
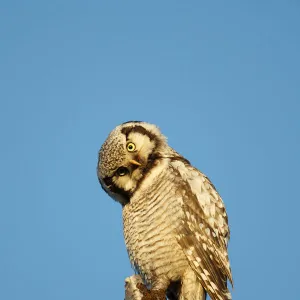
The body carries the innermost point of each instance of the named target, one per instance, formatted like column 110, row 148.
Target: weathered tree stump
column 136, row 290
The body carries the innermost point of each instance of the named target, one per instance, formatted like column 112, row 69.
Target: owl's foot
column 136, row 290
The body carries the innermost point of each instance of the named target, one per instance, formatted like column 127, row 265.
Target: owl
column 174, row 221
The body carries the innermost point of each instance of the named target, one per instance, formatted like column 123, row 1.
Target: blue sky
column 221, row 79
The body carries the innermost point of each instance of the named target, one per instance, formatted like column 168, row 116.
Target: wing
column 204, row 233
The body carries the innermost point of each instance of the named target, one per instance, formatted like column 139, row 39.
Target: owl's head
column 128, row 153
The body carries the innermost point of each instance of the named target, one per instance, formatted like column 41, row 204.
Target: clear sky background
column 220, row 78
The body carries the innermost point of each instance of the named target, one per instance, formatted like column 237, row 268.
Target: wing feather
column 204, row 233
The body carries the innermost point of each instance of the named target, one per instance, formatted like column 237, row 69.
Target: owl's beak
column 134, row 162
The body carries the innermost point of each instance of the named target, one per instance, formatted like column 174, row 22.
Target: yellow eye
column 130, row 147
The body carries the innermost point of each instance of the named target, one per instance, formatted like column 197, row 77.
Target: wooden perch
column 136, row 290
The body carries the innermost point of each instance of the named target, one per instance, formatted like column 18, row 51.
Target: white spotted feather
column 204, row 233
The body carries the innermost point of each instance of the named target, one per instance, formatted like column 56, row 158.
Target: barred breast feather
column 150, row 223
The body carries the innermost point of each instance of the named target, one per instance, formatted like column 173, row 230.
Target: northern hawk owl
column 175, row 223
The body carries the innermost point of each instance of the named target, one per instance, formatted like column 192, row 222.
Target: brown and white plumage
column 175, row 223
